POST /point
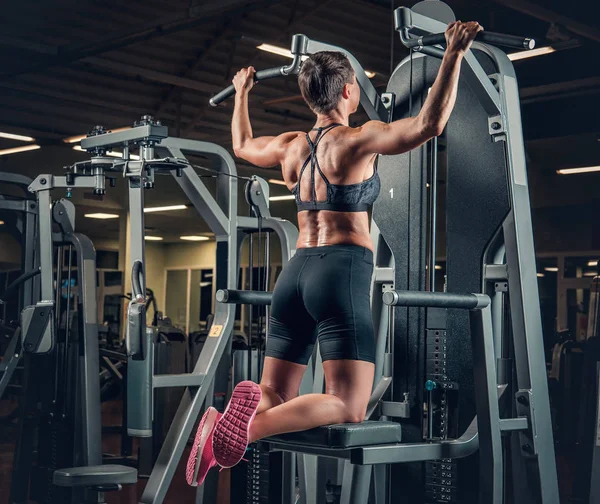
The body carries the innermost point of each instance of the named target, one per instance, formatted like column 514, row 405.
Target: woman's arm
column 266, row 151
column 400, row 136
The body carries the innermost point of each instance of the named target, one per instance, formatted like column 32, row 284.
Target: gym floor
column 179, row 491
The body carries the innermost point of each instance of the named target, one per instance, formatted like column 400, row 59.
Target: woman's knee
column 280, row 393
column 354, row 416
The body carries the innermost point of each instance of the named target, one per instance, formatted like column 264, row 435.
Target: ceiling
column 66, row 66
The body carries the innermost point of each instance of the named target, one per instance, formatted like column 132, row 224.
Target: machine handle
column 269, row 73
column 435, row 300
column 497, row 39
column 256, row 298
column 136, row 282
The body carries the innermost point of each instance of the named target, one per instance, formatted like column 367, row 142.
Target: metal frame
column 20, row 217
column 220, row 212
column 87, row 449
column 502, row 107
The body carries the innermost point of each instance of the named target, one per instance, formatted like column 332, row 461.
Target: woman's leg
column 348, row 389
column 280, row 382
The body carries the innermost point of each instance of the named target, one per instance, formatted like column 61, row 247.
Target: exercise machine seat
column 91, row 476
column 344, row 435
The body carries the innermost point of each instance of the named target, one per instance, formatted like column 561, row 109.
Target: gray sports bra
column 340, row 197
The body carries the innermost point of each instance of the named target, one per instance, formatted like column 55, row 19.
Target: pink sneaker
column 201, row 458
column 231, row 433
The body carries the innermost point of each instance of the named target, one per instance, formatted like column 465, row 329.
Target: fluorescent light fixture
column 133, row 157
column 593, row 263
column 276, row 182
column 79, row 138
column 553, row 269
column 194, row 238
column 282, row 51
column 103, row 216
column 153, row 238
column 590, row 273
column 585, row 169
column 282, row 198
column 541, row 275
column 164, row 208
column 16, row 150
column 20, row 138
column 531, row 53
column 438, row 267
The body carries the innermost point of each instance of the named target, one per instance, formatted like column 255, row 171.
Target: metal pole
column 250, row 308
column 433, row 212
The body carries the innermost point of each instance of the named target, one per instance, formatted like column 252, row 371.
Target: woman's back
column 328, row 159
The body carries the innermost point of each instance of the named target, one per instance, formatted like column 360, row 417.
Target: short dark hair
column 322, row 79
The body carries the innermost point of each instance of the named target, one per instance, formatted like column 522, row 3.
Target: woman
column 324, row 289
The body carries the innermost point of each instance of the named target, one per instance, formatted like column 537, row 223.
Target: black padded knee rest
column 344, row 435
column 90, row 476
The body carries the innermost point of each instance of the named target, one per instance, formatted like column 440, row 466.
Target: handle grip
column 256, row 298
column 136, row 282
column 229, row 91
column 424, row 299
column 498, row 39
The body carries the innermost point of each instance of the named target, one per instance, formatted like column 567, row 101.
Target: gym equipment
column 19, row 215
column 476, row 361
column 586, row 454
column 64, row 379
column 210, row 374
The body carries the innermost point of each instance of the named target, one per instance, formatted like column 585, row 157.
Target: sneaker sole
column 231, row 434
column 207, row 424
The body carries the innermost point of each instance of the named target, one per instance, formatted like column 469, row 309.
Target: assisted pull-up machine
column 454, row 355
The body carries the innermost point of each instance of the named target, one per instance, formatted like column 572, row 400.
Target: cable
column 410, row 104
column 216, row 172
column 392, row 37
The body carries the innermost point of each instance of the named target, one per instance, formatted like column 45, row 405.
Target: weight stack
column 440, row 475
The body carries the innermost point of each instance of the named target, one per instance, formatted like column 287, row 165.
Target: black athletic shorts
column 323, row 292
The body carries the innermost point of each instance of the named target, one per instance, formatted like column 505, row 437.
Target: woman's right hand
column 460, row 36
column 243, row 81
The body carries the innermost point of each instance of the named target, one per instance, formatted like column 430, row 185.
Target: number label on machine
column 215, row 331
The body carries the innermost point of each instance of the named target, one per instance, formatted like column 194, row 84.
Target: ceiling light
column 282, row 198
column 554, row 269
column 153, row 238
column 593, row 263
column 531, row 53
column 194, row 238
column 541, row 275
column 133, row 157
column 164, row 208
column 1, row 222
column 16, row 150
column 571, row 171
column 79, row 138
column 282, row 51
column 276, row 182
column 438, row 267
column 12, row 136
column 100, row 215
column 590, row 273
